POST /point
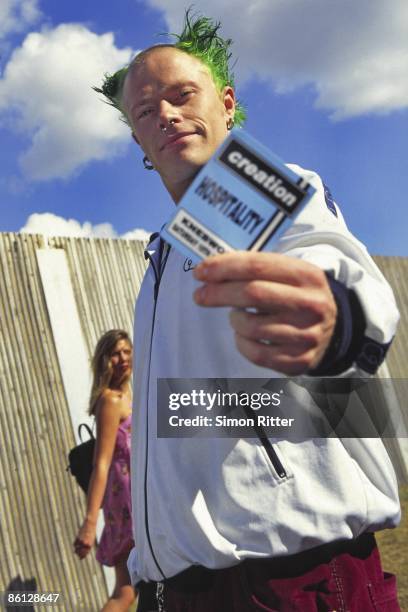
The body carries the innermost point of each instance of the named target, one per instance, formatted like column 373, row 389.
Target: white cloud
column 17, row 15
column 49, row 224
column 47, row 85
column 137, row 234
column 354, row 54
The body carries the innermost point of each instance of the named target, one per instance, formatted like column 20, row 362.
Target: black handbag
column 81, row 459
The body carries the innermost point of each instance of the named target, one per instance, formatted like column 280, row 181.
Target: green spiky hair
column 199, row 38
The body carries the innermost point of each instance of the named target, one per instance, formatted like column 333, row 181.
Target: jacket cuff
column 348, row 333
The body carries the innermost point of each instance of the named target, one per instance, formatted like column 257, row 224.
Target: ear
column 135, row 139
column 229, row 101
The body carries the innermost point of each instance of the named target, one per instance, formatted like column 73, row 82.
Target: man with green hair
column 224, row 524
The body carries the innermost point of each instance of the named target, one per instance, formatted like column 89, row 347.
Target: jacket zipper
column 276, row 462
column 264, row 440
column 158, row 272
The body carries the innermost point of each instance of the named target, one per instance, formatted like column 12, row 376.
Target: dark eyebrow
column 184, row 84
column 142, row 102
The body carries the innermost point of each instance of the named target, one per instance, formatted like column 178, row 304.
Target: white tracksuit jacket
column 217, row 501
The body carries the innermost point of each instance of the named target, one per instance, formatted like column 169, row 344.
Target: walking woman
column 109, row 486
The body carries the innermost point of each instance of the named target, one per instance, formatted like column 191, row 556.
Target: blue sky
column 325, row 85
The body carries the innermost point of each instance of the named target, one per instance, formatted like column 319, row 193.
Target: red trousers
column 350, row 581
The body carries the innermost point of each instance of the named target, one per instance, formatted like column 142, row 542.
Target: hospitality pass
column 244, row 198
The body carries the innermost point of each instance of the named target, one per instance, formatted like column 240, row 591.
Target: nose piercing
column 163, row 127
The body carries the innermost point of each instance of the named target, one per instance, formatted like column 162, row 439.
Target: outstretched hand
column 292, row 310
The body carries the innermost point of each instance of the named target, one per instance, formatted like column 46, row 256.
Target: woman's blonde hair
column 102, row 370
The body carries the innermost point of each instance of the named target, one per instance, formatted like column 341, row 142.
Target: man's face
column 177, row 115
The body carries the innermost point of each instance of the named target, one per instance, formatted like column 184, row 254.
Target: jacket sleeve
column 368, row 314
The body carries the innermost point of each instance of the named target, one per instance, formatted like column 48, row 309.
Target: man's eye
column 145, row 112
column 185, row 93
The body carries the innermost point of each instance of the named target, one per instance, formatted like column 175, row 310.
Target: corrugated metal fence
column 40, row 505
column 395, row 269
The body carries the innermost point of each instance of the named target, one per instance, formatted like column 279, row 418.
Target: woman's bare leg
column 124, row 594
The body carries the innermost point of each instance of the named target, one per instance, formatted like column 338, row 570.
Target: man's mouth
column 175, row 139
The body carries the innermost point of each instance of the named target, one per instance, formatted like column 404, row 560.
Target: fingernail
column 200, row 271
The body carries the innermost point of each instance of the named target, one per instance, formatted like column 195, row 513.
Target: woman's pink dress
column 117, row 539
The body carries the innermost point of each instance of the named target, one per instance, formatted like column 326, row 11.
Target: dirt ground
column 393, row 544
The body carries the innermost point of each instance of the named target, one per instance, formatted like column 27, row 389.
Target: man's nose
column 167, row 114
